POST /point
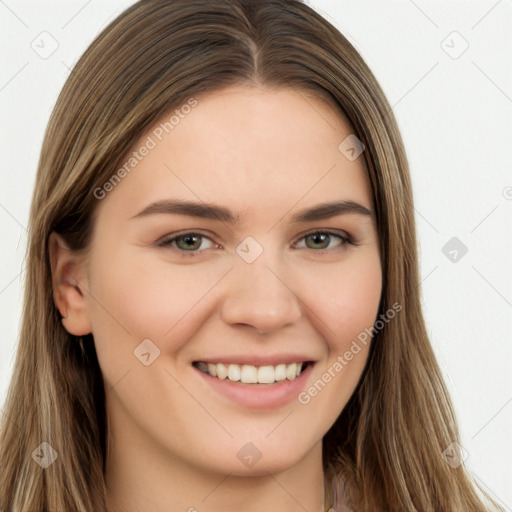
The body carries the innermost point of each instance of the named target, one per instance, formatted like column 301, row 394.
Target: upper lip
column 257, row 360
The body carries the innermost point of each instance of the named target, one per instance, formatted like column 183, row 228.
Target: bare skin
column 175, row 440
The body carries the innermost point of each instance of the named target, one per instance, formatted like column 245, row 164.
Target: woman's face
column 259, row 293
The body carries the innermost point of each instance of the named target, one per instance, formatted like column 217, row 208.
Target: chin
column 249, row 460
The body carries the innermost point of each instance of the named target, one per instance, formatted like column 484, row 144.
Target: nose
column 260, row 297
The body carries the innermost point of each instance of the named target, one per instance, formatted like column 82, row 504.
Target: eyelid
column 327, row 231
column 343, row 236
column 166, row 241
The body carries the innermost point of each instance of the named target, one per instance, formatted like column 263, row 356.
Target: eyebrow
column 212, row 211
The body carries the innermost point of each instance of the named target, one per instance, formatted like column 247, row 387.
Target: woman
column 222, row 305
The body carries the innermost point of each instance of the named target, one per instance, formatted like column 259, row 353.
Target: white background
column 455, row 115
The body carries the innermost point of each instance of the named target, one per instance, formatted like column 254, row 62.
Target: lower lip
column 259, row 396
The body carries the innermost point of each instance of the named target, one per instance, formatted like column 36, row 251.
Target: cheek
column 345, row 300
column 137, row 299
column 347, row 307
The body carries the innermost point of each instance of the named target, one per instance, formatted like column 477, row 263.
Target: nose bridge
column 258, row 294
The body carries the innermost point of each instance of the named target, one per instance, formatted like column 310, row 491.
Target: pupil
column 318, row 236
column 188, row 239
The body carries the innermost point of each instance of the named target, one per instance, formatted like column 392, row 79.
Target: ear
column 68, row 281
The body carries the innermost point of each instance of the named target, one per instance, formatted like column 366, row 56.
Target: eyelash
column 166, row 243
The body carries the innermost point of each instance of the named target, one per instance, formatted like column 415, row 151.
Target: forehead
column 250, row 148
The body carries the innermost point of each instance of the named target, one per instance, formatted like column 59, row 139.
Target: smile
column 249, row 374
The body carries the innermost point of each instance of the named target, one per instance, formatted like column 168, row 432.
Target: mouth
column 251, row 374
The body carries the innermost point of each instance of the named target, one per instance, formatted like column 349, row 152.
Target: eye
column 321, row 240
column 191, row 243
column 188, row 242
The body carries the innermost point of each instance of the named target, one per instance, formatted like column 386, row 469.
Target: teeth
column 249, row 374
column 280, row 372
column 222, row 371
column 203, row 367
column 266, row 375
column 291, row 371
column 234, row 372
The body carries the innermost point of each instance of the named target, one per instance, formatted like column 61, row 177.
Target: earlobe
column 69, row 292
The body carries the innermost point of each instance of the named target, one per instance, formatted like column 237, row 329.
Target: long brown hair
column 386, row 446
